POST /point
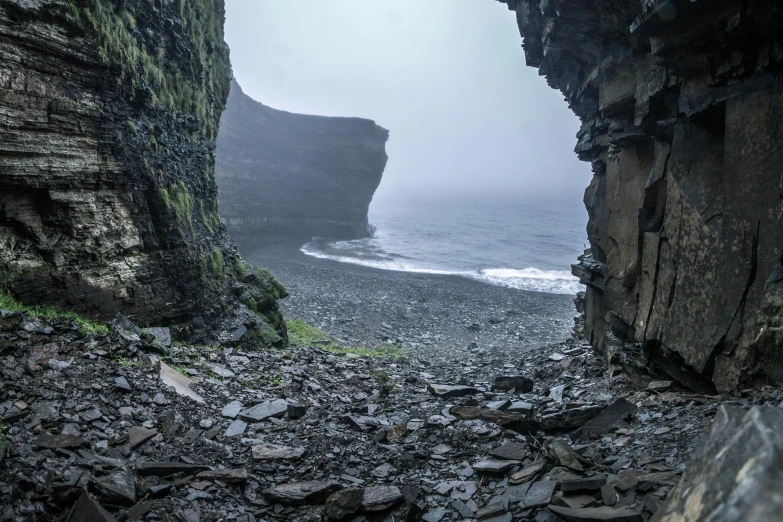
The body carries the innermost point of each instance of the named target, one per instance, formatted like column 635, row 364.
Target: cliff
column 108, row 201
column 681, row 104
column 294, row 175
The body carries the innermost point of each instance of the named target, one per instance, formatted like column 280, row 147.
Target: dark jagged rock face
column 108, row 200
column 294, row 175
column 682, row 120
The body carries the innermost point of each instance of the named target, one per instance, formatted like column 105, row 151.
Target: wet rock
column 598, row 514
column 277, row 452
column 343, row 503
column 259, row 412
column 519, row 383
column 449, row 392
column 313, row 492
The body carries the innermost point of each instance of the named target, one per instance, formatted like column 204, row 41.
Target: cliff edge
column 681, row 104
column 108, row 202
column 294, row 175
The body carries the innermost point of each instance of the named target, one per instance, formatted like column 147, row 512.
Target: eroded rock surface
column 108, row 202
column 681, row 106
column 295, row 175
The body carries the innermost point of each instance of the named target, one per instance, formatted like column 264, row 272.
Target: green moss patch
column 85, row 326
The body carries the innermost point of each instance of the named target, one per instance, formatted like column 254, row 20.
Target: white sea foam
column 531, row 279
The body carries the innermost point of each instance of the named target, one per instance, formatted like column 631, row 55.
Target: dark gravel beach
column 368, row 306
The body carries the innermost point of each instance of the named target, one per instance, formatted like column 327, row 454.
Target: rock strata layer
column 681, row 106
column 285, row 174
column 108, row 202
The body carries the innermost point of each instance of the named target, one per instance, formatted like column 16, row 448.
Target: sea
column 527, row 243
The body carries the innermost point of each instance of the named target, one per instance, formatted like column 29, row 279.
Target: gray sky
column 446, row 77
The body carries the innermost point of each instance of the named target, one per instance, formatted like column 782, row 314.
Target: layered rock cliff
column 108, row 202
column 681, row 104
column 295, row 175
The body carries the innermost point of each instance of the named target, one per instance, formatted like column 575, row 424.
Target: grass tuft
column 85, row 326
column 302, row 334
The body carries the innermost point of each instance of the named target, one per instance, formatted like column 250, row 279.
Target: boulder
column 736, row 472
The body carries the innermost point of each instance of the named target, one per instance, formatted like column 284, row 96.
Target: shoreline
column 361, row 305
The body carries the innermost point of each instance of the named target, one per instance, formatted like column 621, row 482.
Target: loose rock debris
column 115, row 430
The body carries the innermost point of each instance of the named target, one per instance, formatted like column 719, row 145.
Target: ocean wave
column 531, row 279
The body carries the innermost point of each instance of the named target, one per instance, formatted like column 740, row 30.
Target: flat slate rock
column 605, row 420
column 59, row 441
column 506, row 517
column 138, row 435
column 277, row 452
column 236, row 428
column 583, row 484
column 510, row 451
column 164, row 469
column 519, row 383
column 538, row 494
column 446, row 391
column 122, row 384
column 381, row 498
column 499, row 405
column 314, row 492
column 179, row 382
column 485, row 414
column 160, row 333
column 88, row 510
column 522, row 407
column 495, row 466
column 598, row 514
column 229, row 476
column 232, row 409
column 573, row 500
column 527, row 473
column 572, row 418
column 259, row 412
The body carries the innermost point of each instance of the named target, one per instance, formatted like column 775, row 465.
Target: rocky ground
column 125, row 426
